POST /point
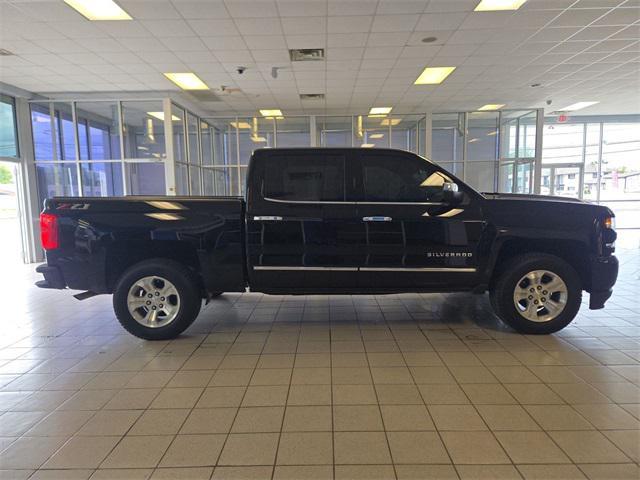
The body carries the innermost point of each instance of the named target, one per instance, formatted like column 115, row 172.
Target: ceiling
column 576, row 50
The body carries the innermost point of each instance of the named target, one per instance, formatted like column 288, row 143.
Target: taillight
column 49, row 231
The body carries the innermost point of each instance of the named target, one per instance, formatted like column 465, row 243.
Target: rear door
column 303, row 231
column 413, row 239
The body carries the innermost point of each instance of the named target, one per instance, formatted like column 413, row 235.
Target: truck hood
column 522, row 196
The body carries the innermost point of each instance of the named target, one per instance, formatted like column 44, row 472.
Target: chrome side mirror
column 451, row 194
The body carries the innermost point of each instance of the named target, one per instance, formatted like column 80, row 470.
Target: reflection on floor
column 400, row 386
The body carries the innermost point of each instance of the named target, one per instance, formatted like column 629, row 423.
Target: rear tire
column 537, row 293
column 157, row 299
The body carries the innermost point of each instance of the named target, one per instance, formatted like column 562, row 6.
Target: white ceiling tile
column 474, row 37
column 301, row 8
column 224, row 43
column 306, row 41
column 347, row 40
column 400, row 6
column 117, row 29
column 271, row 56
column 576, row 17
column 198, row 9
column 150, row 9
column 235, row 56
column 425, row 51
column 442, row 6
column 595, row 33
column 259, row 26
column 344, row 53
column 303, row 26
column 251, row 8
column 213, row 27
column 394, row 23
column 352, row 7
column 382, row 52
column 184, row 44
column 349, row 24
column 417, row 37
column 265, row 42
column 440, row 21
column 141, row 44
column 476, row 20
column 50, row 11
column 390, row 39
column 168, row 28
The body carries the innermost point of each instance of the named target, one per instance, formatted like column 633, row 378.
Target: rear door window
column 305, row 177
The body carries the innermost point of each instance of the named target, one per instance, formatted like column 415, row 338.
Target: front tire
column 537, row 293
column 157, row 299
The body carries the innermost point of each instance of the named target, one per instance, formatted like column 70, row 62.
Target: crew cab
column 332, row 221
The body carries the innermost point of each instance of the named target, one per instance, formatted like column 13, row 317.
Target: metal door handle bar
column 376, row 219
column 267, row 218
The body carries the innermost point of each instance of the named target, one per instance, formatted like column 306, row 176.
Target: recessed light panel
column 99, row 9
column 187, row 81
column 379, row 110
column 390, row 121
column 491, row 106
column 498, row 5
column 577, row 106
column 433, row 75
column 244, row 125
column 274, row 112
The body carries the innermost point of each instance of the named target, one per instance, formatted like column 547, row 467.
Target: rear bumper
column 604, row 273
column 52, row 277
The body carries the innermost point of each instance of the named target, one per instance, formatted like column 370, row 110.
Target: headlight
column 609, row 222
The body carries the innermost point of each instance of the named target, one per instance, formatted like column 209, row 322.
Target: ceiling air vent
column 312, row 96
column 5, row 53
column 306, row 54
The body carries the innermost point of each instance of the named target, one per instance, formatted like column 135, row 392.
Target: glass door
column 518, row 131
column 563, row 180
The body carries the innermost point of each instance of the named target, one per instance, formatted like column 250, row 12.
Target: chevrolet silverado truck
column 332, row 221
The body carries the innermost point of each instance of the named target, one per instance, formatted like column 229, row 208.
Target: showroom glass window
column 8, row 132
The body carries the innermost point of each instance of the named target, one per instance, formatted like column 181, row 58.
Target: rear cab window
column 304, row 177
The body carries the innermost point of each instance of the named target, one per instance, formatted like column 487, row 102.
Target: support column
column 170, row 162
column 29, row 201
column 537, row 165
column 428, row 134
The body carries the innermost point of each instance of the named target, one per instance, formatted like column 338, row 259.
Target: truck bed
column 102, row 237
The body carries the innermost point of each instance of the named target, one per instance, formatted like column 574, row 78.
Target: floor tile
column 249, row 449
column 588, row 447
column 138, row 452
column 356, row 418
column 307, row 419
column 416, row 448
column 474, row 448
column 361, row 448
column 82, row 452
column 208, row 420
column 160, row 422
column 193, row 451
column 531, row 447
column 456, row 417
column 312, row 448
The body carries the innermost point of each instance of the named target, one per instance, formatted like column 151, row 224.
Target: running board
column 85, row 295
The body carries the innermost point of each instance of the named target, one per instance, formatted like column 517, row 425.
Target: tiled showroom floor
column 400, row 386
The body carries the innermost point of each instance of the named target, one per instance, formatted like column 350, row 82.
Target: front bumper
column 52, row 277
column 604, row 273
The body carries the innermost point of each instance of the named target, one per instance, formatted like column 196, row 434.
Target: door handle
column 267, row 218
column 376, row 219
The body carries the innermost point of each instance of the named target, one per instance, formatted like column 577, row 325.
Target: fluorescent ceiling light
column 491, row 106
column 496, row 5
column 187, row 81
column 99, row 9
column 473, row 140
column 274, row 112
column 379, row 110
column 160, row 116
column 577, row 106
column 390, row 121
column 376, row 135
column 433, row 75
column 257, row 139
column 244, row 125
column 368, row 145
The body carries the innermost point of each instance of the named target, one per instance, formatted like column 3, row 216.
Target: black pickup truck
column 332, row 220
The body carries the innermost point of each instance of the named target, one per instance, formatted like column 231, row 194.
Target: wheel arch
column 120, row 256
column 574, row 252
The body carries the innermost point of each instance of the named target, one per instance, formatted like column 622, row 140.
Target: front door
column 303, row 232
column 413, row 239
